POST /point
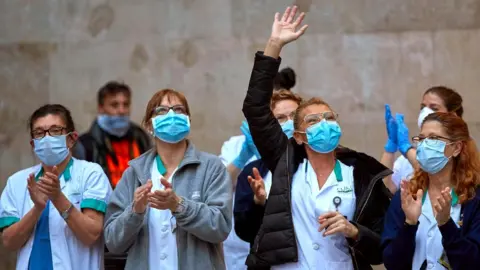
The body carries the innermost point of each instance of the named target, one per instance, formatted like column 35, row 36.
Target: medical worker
column 52, row 213
column 236, row 153
column 326, row 205
column 172, row 208
column 438, row 98
column 283, row 106
column 434, row 221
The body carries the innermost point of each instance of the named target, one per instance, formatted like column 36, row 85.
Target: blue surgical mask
column 288, row 128
column 324, row 136
column 51, row 150
column 116, row 125
column 431, row 155
column 171, row 127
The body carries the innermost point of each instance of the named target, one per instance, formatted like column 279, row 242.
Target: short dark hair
column 54, row 109
column 112, row 88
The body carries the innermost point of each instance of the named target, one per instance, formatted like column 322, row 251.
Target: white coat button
column 430, row 265
column 430, row 234
column 163, row 256
column 316, row 246
column 164, row 228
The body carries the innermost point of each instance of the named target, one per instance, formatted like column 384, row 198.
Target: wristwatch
column 180, row 207
column 65, row 214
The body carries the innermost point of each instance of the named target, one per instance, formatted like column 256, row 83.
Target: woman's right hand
column 284, row 30
column 38, row 198
column 258, row 187
column 412, row 207
column 140, row 197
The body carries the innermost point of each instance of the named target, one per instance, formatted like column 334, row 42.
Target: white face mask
column 424, row 113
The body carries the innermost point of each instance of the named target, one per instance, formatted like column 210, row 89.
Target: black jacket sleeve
column 266, row 132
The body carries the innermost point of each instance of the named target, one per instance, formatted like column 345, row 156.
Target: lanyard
column 338, row 175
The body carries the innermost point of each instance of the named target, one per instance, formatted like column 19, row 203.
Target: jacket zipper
column 374, row 180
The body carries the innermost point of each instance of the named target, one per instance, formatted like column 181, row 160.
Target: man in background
column 112, row 141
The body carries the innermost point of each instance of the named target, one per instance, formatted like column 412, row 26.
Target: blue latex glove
column 392, row 129
column 403, row 139
column 244, row 156
column 248, row 148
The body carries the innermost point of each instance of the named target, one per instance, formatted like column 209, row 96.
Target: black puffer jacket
column 275, row 242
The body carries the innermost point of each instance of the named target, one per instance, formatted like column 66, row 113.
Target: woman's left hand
column 335, row 222
column 443, row 206
column 164, row 199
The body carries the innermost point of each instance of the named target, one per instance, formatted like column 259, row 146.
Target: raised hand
column 443, row 206
column 402, row 135
column 285, row 29
column 392, row 129
column 49, row 184
column 140, row 197
column 164, row 199
column 258, row 187
column 39, row 199
column 412, row 207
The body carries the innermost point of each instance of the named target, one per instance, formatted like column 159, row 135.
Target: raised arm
column 267, row 133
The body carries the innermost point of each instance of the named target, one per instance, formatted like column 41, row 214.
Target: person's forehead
column 48, row 121
column 170, row 100
column 285, row 106
column 316, row 108
column 120, row 96
column 430, row 128
column 432, row 99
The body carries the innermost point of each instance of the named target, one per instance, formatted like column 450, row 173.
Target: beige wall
column 357, row 54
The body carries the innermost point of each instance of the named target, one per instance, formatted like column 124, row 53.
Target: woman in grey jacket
column 172, row 208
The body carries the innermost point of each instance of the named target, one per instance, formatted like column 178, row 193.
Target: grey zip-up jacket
column 203, row 182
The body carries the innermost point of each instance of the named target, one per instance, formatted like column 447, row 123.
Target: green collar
column 454, row 197
column 160, row 167
column 66, row 173
column 337, row 170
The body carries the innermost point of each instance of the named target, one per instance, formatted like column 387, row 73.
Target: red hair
column 466, row 166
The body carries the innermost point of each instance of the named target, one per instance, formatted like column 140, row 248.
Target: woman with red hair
column 434, row 222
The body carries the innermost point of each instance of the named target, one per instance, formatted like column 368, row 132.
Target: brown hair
column 451, row 99
column 156, row 100
column 282, row 95
column 297, row 121
column 466, row 166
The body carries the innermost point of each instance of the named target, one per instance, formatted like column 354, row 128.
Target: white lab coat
column 88, row 187
column 235, row 249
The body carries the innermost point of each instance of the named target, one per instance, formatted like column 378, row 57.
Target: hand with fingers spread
column 164, row 199
column 335, row 222
column 411, row 205
column 258, row 187
column 443, row 206
column 285, row 29
column 140, row 197
column 49, row 184
column 39, row 199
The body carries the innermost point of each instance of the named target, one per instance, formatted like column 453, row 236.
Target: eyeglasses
column 312, row 119
column 52, row 131
column 282, row 118
column 162, row 110
column 432, row 140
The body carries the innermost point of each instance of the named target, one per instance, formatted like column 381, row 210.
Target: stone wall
column 356, row 54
